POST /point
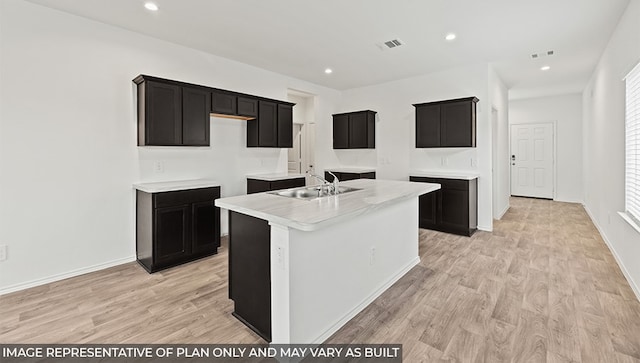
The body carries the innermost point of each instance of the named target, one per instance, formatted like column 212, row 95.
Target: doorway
column 300, row 158
column 295, row 153
column 532, row 160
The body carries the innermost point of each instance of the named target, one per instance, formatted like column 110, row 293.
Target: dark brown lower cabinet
column 176, row 227
column 452, row 209
column 259, row 185
column 250, row 272
column 349, row 176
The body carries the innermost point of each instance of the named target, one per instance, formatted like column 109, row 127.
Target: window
column 632, row 145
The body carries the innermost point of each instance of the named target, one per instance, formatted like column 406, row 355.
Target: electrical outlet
column 3, row 252
column 372, row 256
column 158, row 167
column 473, row 162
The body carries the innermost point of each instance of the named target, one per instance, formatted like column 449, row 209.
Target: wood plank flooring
column 543, row 287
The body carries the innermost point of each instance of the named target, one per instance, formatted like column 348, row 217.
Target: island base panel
column 249, row 272
column 323, row 278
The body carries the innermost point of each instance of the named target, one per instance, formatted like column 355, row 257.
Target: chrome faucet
column 335, row 183
column 332, row 188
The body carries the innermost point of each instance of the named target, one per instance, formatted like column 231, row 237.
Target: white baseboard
column 504, row 211
column 627, row 276
column 485, row 229
column 349, row 315
column 65, row 275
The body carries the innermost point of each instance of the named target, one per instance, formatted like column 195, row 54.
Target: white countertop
column 275, row 176
column 169, row 186
column 309, row 215
column 348, row 169
column 446, row 174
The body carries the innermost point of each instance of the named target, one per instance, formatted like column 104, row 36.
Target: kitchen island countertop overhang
column 309, row 215
column 301, row 269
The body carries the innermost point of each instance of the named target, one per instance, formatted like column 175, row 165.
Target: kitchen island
column 299, row 269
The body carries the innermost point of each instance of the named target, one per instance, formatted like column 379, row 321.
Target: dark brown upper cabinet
column 247, row 107
column 229, row 104
column 450, row 123
column 223, row 103
column 273, row 127
column 171, row 114
column 354, row 130
column 285, row 125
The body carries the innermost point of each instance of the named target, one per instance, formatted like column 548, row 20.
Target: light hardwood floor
column 542, row 287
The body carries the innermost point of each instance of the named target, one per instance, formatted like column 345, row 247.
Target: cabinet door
column 203, row 227
column 163, row 114
column 223, row 103
column 428, row 126
column 458, row 124
column 267, row 124
column 454, row 209
column 171, row 233
column 285, row 126
column 196, row 108
column 341, row 131
column 428, row 209
column 358, row 135
column 247, row 107
column 250, row 271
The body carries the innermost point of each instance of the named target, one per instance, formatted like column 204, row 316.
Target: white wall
column 566, row 112
column 500, row 103
column 396, row 156
column 603, row 147
column 68, row 151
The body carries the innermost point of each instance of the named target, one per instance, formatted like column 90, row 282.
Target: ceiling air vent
column 390, row 44
column 542, row 54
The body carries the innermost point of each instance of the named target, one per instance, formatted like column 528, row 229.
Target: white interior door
column 532, row 160
column 295, row 153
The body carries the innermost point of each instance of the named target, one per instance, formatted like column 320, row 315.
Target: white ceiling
column 302, row 38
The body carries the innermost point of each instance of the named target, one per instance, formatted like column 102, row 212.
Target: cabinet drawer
column 422, row 179
column 454, row 184
column 287, row 183
column 180, row 197
column 457, row 184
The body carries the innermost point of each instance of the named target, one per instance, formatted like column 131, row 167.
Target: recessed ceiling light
column 328, row 71
column 450, row 37
column 151, row 6
column 545, row 68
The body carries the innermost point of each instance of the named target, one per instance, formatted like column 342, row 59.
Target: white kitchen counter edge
column 464, row 175
column 169, row 186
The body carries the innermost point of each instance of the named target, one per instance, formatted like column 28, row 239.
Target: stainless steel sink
column 309, row 193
